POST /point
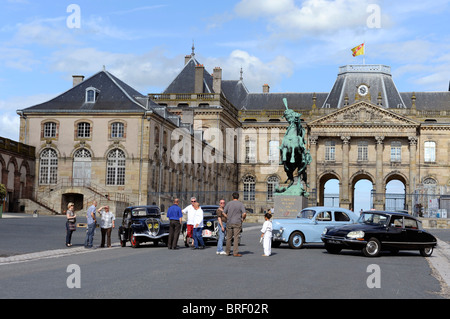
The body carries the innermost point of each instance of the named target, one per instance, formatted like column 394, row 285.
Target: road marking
column 51, row 254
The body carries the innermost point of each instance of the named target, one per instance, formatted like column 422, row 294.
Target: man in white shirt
column 189, row 212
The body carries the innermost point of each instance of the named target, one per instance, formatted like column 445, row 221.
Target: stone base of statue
column 289, row 201
column 288, row 206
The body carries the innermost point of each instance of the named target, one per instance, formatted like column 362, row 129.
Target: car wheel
column 373, row 248
column 296, row 240
column 134, row 241
column 333, row 249
column 426, row 252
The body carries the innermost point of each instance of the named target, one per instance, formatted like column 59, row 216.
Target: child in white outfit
column 267, row 235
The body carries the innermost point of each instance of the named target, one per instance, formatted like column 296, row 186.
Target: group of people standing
column 230, row 219
column 107, row 224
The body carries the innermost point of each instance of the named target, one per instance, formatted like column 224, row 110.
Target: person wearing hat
column 70, row 223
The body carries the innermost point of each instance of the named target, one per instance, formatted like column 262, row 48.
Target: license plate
column 206, row 233
column 331, row 241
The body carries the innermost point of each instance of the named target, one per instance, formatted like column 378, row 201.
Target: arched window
column 249, row 188
column 48, row 167
column 115, row 168
column 272, row 183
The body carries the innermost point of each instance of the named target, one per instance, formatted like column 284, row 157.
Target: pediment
column 363, row 113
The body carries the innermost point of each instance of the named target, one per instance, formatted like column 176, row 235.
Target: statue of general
column 294, row 155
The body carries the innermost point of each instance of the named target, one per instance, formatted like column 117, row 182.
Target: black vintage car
column 380, row 230
column 143, row 224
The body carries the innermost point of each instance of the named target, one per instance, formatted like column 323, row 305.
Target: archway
column 328, row 187
column 395, row 196
column 362, row 188
column 331, row 193
column 77, row 199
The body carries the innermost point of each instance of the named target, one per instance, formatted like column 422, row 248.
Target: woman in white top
column 106, row 224
column 198, row 226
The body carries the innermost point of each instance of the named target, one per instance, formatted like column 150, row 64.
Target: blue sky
column 294, row 46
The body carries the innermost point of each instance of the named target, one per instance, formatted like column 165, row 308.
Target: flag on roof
column 359, row 50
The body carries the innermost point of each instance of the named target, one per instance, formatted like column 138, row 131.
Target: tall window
column 84, row 129
column 117, row 130
column 50, row 129
column 48, row 167
column 250, row 151
column 274, row 151
column 249, row 188
column 430, row 152
column 272, row 183
column 115, row 168
column 330, row 150
column 396, row 151
column 363, row 153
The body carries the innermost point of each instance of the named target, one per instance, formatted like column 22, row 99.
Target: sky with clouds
column 294, row 46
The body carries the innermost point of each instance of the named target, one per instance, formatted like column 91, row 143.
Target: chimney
column 266, row 88
column 187, row 58
column 198, row 85
column 217, row 80
column 77, row 79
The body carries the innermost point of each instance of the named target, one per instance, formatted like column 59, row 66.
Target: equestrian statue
column 294, row 155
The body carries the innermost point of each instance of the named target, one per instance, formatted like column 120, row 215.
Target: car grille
column 153, row 226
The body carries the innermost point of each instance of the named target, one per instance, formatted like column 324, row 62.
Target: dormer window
column 91, row 94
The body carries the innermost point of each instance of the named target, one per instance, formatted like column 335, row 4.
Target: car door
column 414, row 235
column 395, row 234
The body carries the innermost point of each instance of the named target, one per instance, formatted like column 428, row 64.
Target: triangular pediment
column 363, row 113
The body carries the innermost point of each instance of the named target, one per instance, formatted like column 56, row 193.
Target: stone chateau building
column 206, row 136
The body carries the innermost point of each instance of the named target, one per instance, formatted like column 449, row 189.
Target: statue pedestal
column 288, row 206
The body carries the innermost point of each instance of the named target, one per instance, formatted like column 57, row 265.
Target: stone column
column 413, row 178
column 312, row 177
column 379, row 189
column 344, row 200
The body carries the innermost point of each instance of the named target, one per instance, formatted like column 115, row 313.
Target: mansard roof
column 376, row 77
column 112, row 95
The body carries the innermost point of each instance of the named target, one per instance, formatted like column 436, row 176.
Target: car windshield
column 306, row 213
column 373, row 219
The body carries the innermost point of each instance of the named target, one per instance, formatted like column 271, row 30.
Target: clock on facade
column 363, row 90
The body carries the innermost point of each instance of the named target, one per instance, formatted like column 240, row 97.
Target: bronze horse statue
column 294, row 155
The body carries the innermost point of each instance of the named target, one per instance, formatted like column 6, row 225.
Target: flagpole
column 364, row 54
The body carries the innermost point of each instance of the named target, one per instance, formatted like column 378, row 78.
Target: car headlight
column 356, row 234
column 281, row 230
column 325, row 230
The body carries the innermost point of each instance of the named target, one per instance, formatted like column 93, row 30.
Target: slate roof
column 437, row 101
column 114, row 95
column 377, row 77
column 185, row 80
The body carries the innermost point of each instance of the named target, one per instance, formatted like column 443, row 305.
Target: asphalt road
column 156, row 272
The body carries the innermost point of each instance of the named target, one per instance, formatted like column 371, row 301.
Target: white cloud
column 312, row 17
column 152, row 70
column 256, row 71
